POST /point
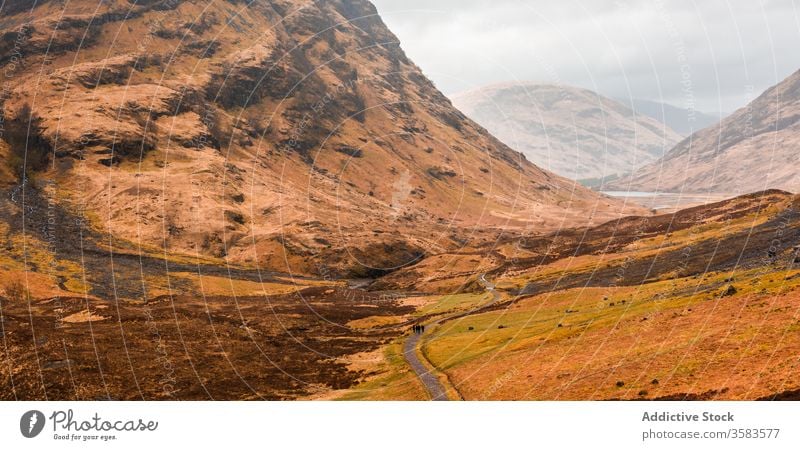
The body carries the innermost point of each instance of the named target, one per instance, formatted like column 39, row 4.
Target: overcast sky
column 717, row 54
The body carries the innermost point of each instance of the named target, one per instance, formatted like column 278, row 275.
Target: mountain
column 752, row 149
column 284, row 134
column 574, row 132
column 683, row 121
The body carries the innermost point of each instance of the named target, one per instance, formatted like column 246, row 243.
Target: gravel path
column 435, row 388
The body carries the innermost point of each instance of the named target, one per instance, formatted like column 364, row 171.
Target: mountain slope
column 574, row 132
column 752, row 149
column 289, row 134
column 683, row 121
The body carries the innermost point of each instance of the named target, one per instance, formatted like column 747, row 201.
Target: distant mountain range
column 755, row 148
column 683, row 121
column 574, row 132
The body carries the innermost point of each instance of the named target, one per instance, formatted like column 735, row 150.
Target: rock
column 730, row 291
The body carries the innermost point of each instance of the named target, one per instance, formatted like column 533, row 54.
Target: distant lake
column 668, row 201
column 634, row 194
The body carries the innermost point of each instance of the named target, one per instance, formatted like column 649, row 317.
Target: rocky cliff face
column 574, row 132
column 279, row 133
column 753, row 149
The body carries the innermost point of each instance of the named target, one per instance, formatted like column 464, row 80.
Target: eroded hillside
column 281, row 133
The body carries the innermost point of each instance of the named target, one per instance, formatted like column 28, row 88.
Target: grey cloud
column 620, row 48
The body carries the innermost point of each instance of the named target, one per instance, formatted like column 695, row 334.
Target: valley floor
column 704, row 304
column 700, row 304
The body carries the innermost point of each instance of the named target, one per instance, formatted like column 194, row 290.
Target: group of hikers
column 418, row 329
